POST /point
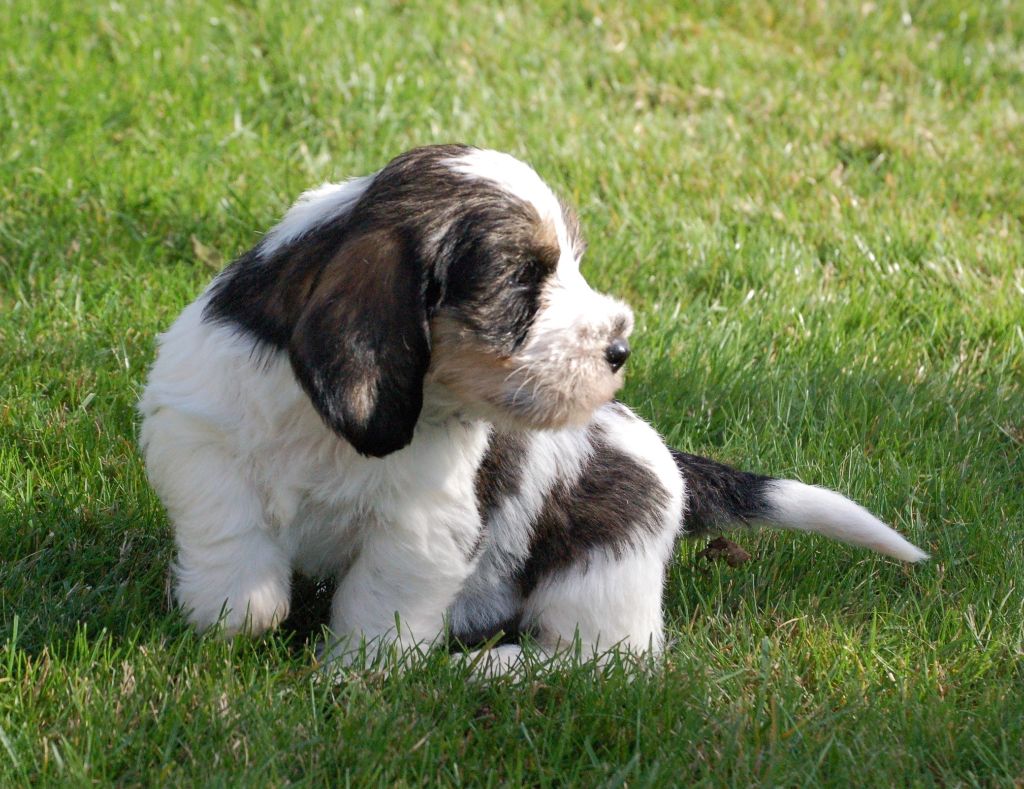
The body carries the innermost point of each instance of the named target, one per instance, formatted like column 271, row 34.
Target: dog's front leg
column 405, row 577
column 229, row 570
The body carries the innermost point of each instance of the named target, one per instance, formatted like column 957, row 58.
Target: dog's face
column 452, row 267
column 520, row 337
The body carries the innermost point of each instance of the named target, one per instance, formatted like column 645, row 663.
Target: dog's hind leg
column 610, row 601
column 608, row 605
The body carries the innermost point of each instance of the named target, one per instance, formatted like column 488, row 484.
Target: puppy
column 407, row 385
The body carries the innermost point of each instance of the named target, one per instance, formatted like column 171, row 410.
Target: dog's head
column 452, row 266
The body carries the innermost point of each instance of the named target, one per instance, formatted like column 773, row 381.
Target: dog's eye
column 532, row 270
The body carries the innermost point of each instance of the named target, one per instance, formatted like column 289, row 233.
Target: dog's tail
column 721, row 497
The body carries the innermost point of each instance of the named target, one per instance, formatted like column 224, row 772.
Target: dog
column 407, row 385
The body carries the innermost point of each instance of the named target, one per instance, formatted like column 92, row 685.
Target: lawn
column 817, row 213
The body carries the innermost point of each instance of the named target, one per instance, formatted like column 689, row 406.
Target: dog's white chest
column 334, row 499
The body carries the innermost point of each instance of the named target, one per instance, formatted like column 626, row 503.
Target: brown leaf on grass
column 721, row 548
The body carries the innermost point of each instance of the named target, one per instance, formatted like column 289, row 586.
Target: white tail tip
column 795, row 505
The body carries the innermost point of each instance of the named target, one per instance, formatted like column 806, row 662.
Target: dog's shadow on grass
column 310, row 610
column 72, row 571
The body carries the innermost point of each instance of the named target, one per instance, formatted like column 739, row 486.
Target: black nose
column 617, row 353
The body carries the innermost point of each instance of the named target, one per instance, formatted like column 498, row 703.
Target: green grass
column 816, row 212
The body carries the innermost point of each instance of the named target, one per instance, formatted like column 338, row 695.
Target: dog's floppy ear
column 360, row 347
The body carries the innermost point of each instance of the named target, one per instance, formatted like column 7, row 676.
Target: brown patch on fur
column 460, row 361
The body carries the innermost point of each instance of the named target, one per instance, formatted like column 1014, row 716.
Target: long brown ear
column 360, row 347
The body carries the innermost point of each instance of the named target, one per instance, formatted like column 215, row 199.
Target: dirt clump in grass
column 721, row 549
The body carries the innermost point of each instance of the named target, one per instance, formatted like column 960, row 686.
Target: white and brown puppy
column 407, row 385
